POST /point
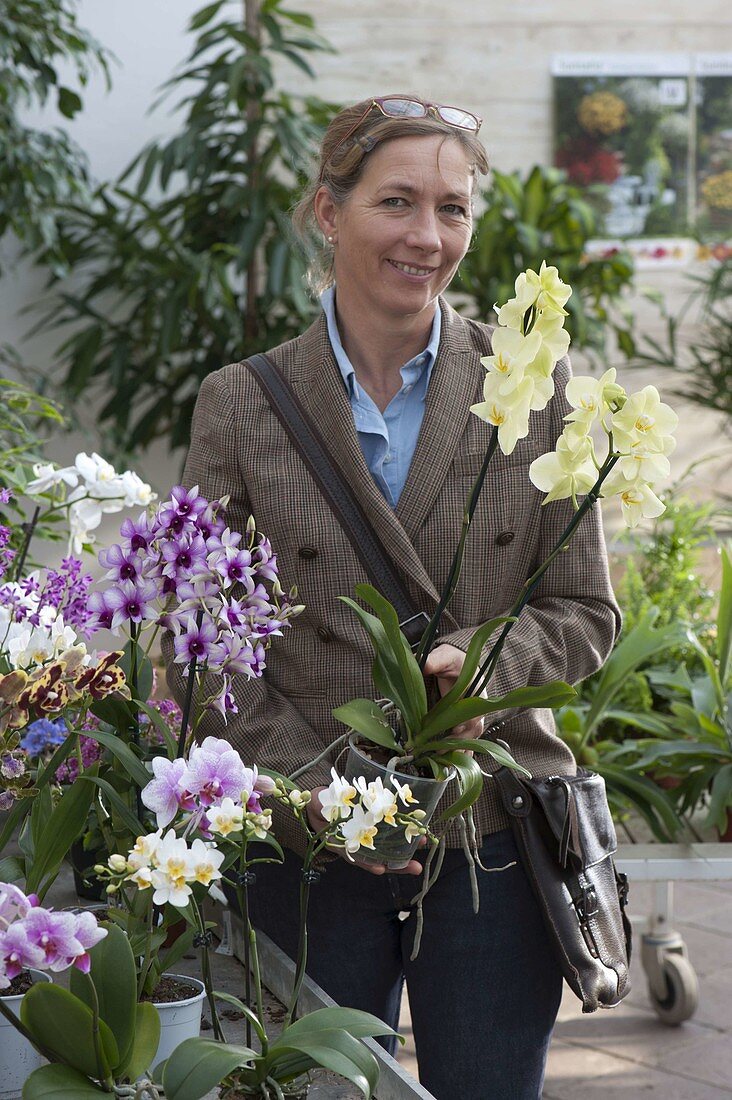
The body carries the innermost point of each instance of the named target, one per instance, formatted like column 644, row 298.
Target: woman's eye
column 453, row 208
column 394, row 201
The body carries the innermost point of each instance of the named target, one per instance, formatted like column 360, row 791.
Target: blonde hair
column 341, row 164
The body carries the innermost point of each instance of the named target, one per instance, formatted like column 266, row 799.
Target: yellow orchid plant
column 527, row 343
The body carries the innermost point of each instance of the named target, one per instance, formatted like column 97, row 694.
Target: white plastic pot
column 179, row 1020
column 18, row 1058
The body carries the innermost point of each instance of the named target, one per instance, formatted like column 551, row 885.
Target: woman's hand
column 318, row 823
column 445, row 662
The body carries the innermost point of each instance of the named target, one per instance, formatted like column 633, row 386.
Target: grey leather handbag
column 566, row 838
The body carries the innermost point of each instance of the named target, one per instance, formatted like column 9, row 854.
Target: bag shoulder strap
column 347, row 510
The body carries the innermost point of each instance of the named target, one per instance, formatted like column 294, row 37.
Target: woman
column 389, row 371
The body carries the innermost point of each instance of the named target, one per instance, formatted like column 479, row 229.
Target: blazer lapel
column 454, row 386
column 317, row 381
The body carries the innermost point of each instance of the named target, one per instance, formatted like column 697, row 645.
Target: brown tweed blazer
column 239, row 448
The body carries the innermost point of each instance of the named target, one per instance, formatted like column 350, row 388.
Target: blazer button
column 307, row 552
column 324, row 634
column 505, row 537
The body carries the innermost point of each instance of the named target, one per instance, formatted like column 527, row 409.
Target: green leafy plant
column 581, row 724
column 526, row 219
column 42, row 170
column 694, row 742
column 95, row 1034
column 704, row 363
column 189, row 263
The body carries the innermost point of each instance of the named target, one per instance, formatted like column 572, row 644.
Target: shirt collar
column 427, row 357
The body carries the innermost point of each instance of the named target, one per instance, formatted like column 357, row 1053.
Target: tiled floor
column 628, row 1052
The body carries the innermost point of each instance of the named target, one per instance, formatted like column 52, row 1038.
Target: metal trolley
column 673, row 986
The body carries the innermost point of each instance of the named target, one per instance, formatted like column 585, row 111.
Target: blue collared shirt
column 387, row 439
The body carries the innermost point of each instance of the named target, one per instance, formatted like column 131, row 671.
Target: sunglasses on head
column 405, row 107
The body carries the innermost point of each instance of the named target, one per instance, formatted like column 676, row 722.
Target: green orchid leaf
column 471, row 662
column 114, row 976
column 176, row 951
column 12, row 868
column 721, row 799
column 362, row 1025
column 367, row 718
column 555, row 694
column 146, row 1040
column 200, row 1065
column 416, row 691
column 335, row 1050
column 388, row 679
column 651, row 802
column 132, row 764
column 470, row 778
column 118, row 804
column 58, row 1082
column 724, row 620
column 640, row 645
column 479, row 745
column 62, row 1024
column 162, row 726
column 656, row 751
column 239, row 1005
column 64, row 824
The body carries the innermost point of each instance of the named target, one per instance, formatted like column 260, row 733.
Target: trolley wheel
column 682, row 991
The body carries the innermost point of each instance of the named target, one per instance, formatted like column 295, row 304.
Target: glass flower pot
column 390, row 844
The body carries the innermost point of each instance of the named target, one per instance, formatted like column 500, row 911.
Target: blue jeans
column 484, row 990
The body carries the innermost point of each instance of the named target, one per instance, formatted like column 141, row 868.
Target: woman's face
column 405, row 227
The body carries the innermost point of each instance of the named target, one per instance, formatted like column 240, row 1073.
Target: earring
column 330, row 240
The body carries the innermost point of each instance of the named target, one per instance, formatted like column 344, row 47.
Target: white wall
column 493, row 57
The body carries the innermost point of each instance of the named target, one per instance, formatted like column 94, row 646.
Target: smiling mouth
column 411, row 269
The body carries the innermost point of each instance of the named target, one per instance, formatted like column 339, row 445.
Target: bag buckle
column 414, row 627
column 587, row 904
column 623, row 888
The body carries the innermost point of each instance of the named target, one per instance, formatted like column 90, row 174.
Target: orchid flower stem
column 428, row 638
column 105, row 1081
column 302, row 946
column 321, row 756
column 207, row 979
column 134, row 689
column 484, row 673
column 189, row 697
column 147, row 956
column 30, row 527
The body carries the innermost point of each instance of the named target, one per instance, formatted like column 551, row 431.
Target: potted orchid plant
column 404, row 733
column 209, row 813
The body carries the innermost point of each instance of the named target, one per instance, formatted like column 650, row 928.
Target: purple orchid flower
column 234, row 566
column 182, row 510
column 166, row 793
column 14, row 904
column 265, row 560
column 17, row 951
column 55, row 935
column 88, row 933
column 137, row 532
column 195, row 642
column 216, row 772
column 122, row 564
column 183, row 556
column 132, row 602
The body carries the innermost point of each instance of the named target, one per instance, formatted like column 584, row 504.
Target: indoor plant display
column 208, row 811
column 95, row 1035
column 527, row 343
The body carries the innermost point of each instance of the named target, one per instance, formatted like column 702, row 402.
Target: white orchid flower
column 644, row 421
column 565, row 472
column 404, row 792
column 336, row 801
column 205, row 860
column 47, row 474
column 359, row 831
column 258, row 825
column 637, row 499
column 377, row 800
column 144, row 850
column 512, row 354
column 226, row 818
column 591, row 398
column 554, row 336
column 510, row 414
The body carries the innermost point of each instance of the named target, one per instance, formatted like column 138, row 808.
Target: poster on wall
column 713, row 181
column 648, row 137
